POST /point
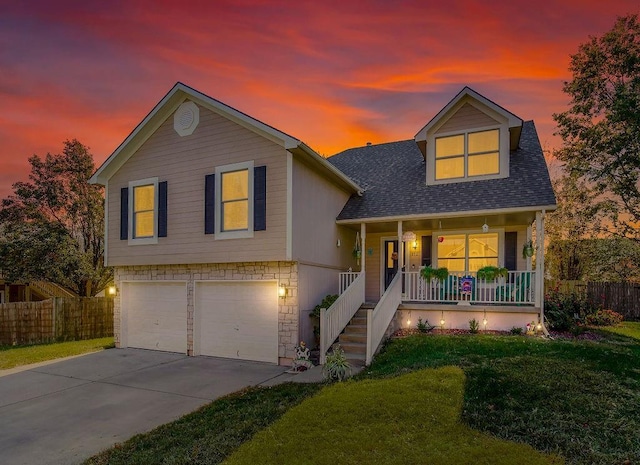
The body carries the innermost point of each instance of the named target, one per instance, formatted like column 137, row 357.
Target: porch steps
column 353, row 339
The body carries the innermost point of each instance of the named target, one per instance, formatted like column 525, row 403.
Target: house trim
column 289, row 226
column 220, row 234
column 132, row 240
column 439, row 118
column 181, row 93
column 431, row 216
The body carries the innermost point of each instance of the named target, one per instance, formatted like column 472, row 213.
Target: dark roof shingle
column 393, row 176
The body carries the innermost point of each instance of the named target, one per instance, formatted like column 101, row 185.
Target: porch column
column 540, row 262
column 363, row 237
column 400, row 251
column 529, row 237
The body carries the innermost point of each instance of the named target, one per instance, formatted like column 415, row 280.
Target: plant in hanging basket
column 527, row 249
column 428, row 273
column 489, row 273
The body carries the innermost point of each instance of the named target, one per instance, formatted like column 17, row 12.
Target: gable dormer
column 468, row 140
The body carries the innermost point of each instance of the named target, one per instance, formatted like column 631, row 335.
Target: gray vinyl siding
column 316, row 205
column 467, row 117
column 183, row 162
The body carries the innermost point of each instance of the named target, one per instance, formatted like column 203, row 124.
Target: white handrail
column 335, row 318
column 379, row 318
column 517, row 288
column 345, row 279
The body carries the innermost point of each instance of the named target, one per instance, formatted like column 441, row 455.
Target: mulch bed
column 411, row 331
column 585, row 335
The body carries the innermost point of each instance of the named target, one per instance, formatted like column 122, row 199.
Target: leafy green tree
column 52, row 226
column 601, row 128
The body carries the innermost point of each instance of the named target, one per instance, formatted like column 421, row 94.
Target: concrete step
column 356, row 329
column 354, row 347
column 361, row 313
column 356, row 359
column 352, row 337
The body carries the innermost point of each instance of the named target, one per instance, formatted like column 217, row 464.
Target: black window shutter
column 124, row 213
column 510, row 252
column 162, row 209
column 260, row 198
column 209, row 203
column 426, row 250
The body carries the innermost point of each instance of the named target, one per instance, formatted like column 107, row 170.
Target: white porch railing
column 464, row 286
column 379, row 318
column 334, row 319
column 345, row 279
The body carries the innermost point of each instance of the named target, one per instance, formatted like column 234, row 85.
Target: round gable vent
column 186, row 118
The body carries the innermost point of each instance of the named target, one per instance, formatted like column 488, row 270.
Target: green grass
column 11, row 357
column 211, row 433
column 577, row 399
column 626, row 328
column 410, row 419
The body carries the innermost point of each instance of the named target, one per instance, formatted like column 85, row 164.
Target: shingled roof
column 393, row 176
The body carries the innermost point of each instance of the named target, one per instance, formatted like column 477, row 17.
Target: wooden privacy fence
column 623, row 298
column 56, row 319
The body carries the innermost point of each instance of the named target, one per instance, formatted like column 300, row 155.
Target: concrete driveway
column 65, row 412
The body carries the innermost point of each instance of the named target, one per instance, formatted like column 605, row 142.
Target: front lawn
column 408, row 419
column 626, row 328
column 11, row 357
column 578, row 399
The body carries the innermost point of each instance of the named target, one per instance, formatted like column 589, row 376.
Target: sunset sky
column 335, row 74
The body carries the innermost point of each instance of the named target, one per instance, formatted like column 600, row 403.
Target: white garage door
column 155, row 315
column 237, row 320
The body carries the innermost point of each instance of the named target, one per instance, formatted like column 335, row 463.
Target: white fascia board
column 437, row 216
column 512, row 119
column 138, row 136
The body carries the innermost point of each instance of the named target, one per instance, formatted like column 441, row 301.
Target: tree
column 52, row 227
column 601, row 129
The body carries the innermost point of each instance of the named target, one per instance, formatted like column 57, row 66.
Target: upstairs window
column 468, row 155
column 144, row 211
column 234, row 204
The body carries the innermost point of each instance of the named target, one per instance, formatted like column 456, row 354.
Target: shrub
column 423, row 327
column 336, row 366
column 474, row 325
column 328, row 300
column 604, row 318
column 563, row 310
column 516, row 331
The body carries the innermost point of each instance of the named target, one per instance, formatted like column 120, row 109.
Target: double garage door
column 232, row 319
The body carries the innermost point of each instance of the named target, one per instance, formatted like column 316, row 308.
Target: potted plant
column 527, row 249
column 428, row 273
column 490, row 273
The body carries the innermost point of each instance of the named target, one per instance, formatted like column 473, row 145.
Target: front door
column 390, row 261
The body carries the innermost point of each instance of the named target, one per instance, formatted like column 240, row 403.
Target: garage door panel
column 156, row 316
column 238, row 320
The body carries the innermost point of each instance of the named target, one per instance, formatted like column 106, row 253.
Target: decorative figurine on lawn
column 301, row 362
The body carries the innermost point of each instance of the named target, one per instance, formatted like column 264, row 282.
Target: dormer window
column 467, row 155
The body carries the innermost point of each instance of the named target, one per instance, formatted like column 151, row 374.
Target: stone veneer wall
column 284, row 272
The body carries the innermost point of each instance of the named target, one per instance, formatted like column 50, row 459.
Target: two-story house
column 224, row 231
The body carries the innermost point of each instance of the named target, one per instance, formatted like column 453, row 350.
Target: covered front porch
column 391, row 254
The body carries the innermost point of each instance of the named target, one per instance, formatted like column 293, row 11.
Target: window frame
column 219, row 232
column 466, row 155
column 470, row 232
column 132, row 240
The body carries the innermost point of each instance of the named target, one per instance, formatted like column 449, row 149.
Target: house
column 224, row 231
